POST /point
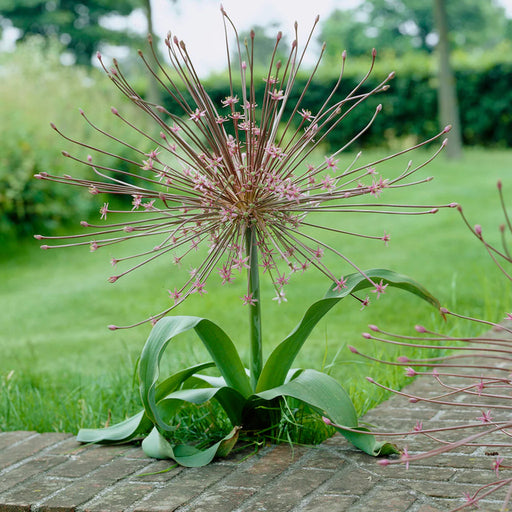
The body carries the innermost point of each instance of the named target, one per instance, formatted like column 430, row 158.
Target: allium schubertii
column 242, row 178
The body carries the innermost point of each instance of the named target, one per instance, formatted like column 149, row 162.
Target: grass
column 61, row 369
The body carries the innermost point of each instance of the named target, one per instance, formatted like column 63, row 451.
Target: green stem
column 253, row 277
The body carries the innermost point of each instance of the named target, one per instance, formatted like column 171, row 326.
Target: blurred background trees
column 404, row 26
column 81, row 27
column 37, row 86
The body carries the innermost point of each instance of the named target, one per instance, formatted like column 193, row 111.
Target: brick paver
column 54, row 473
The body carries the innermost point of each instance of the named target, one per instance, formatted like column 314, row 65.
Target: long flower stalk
column 254, row 303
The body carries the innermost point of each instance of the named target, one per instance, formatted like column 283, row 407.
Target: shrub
column 35, row 89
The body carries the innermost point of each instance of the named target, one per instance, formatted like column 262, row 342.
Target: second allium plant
column 241, row 177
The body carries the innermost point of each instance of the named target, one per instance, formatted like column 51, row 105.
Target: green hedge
column 410, row 104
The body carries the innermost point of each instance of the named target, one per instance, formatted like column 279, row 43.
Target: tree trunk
column 447, row 92
column 153, row 92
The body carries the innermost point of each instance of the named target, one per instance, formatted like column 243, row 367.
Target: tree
column 78, row 25
column 446, row 90
column 405, row 25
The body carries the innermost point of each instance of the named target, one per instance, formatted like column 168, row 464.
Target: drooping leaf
column 173, row 382
column 118, row 433
column 231, row 401
column 140, row 423
column 220, row 347
column 156, row 446
column 281, row 359
column 325, row 395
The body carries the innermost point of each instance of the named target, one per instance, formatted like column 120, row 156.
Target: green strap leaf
column 325, row 395
column 173, row 382
column 230, row 400
column 140, row 423
column 156, row 446
column 281, row 359
column 220, row 347
column 119, row 433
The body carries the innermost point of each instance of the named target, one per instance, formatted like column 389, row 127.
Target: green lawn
column 61, row 368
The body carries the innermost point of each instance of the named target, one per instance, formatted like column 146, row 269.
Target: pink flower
column 197, row 115
column 282, row 280
column 229, row 101
column 340, row 284
column 249, row 300
column 306, row 115
column 486, row 417
column 496, row 465
column 175, row 295
column 199, row 287
column 331, row 163
column 104, row 211
column 380, row 288
column 276, row 95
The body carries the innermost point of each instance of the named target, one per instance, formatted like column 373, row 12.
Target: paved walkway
column 53, row 473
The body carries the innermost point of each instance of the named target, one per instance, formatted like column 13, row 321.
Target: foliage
column 403, row 26
column 35, row 88
column 243, row 404
column 78, row 25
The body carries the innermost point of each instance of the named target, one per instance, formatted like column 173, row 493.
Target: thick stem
column 253, row 278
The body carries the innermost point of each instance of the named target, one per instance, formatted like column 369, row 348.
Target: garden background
column 61, row 369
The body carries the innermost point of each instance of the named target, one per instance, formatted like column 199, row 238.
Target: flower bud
column 327, row 421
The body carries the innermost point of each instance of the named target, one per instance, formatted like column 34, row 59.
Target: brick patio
column 53, row 473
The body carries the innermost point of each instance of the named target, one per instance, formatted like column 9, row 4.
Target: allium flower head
column 244, row 164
